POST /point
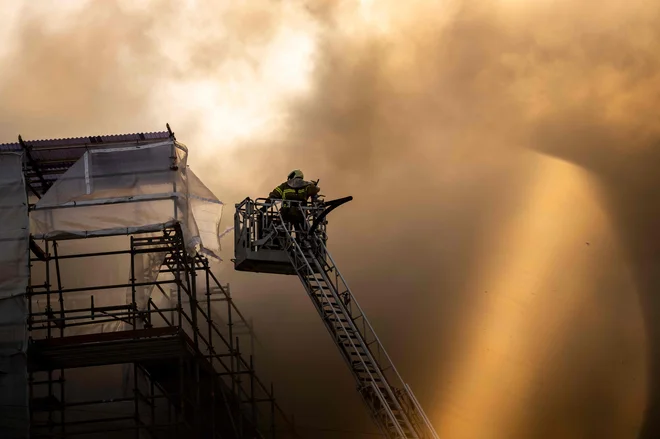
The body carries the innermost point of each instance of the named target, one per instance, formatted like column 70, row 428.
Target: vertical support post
column 198, row 411
column 169, row 418
column 30, row 396
column 182, row 403
column 194, row 317
column 58, row 276
column 232, row 354
column 208, row 311
column 190, row 273
column 28, row 295
column 214, row 384
column 174, row 167
column 29, row 325
column 136, row 404
column 49, row 313
column 62, row 325
column 237, row 375
column 152, row 395
column 148, row 314
column 253, row 402
column 172, row 307
column 50, row 393
column 272, row 411
column 177, row 252
column 133, row 316
column 62, row 401
column 211, row 350
column 175, row 199
column 251, row 327
column 192, row 286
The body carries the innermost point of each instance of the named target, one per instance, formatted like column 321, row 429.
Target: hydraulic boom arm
column 390, row 400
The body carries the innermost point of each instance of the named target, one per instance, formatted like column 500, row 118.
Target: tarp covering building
column 127, row 189
column 14, row 277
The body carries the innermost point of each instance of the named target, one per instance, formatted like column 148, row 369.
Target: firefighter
column 295, row 188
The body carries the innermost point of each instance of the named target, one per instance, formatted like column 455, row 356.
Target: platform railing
column 254, row 221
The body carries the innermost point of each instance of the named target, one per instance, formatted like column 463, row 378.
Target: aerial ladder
column 266, row 243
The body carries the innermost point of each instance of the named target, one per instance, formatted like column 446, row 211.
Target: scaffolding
column 127, row 331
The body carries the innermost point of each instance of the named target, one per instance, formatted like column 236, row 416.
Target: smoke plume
column 501, row 154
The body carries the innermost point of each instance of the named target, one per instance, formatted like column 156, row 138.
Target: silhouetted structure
column 126, row 331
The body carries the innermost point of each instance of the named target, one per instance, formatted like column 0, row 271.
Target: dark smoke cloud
column 434, row 125
column 428, row 145
column 611, row 127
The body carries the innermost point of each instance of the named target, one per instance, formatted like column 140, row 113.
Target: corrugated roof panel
column 10, row 146
column 158, row 135
column 95, row 140
column 91, row 140
column 53, row 157
column 71, row 149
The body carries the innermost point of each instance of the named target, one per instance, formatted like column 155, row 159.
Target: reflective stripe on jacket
column 300, row 192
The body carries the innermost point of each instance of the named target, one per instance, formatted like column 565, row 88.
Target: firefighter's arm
column 312, row 190
column 276, row 193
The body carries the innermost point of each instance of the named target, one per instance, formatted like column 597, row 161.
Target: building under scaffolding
column 112, row 322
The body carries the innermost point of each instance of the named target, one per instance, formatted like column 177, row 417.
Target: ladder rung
column 375, row 379
column 332, row 304
column 403, row 427
column 338, row 326
column 333, row 319
column 312, row 278
column 337, row 320
column 348, row 345
column 356, row 362
column 342, row 325
column 327, row 302
column 359, row 354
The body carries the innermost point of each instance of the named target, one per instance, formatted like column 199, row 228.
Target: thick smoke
column 440, row 119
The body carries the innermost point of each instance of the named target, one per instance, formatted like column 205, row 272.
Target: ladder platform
column 258, row 246
column 263, row 261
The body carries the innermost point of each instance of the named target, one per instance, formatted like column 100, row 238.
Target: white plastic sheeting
column 14, row 277
column 130, row 189
column 109, row 193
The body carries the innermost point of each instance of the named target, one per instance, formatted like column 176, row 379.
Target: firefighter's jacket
column 295, row 189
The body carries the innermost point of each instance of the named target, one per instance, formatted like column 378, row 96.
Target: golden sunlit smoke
column 420, row 110
column 244, row 92
column 528, row 308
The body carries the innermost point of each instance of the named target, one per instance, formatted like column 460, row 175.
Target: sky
column 501, row 154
